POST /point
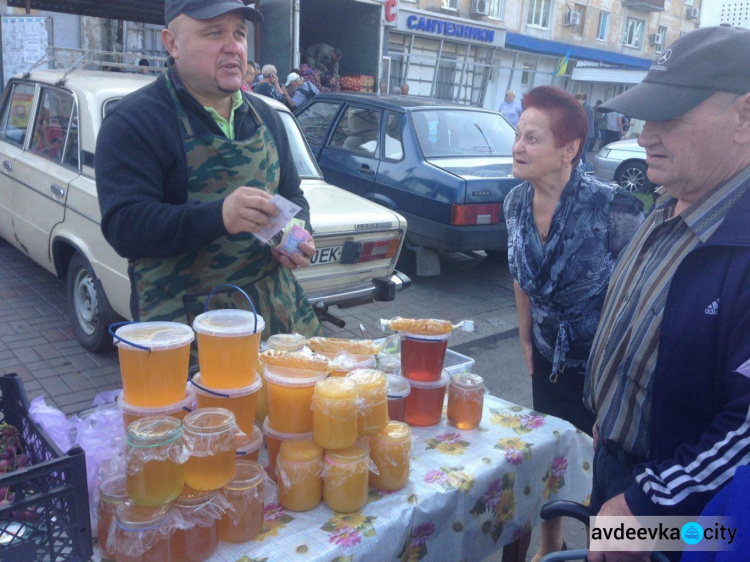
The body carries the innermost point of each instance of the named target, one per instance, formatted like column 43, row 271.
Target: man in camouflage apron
column 239, row 174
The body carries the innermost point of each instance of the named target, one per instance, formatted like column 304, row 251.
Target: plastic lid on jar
column 353, row 454
column 114, row 488
column 207, row 421
column 336, row 388
column 368, row 377
column 154, row 431
column 467, row 381
column 394, row 431
column 280, row 435
column 300, row 450
column 398, row 386
column 190, row 497
column 187, row 404
column 286, row 342
column 246, row 444
column 247, row 474
column 426, row 337
column 228, row 323
column 132, row 517
column 157, row 336
column 390, row 363
column 441, row 382
column 290, row 376
column 204, row 390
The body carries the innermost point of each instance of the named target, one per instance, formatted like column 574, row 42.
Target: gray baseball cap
column 208, row 9
column 697, row 65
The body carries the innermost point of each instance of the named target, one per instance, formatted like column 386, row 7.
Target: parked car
column 624, row 162
column 447, row 168
column 49, row 209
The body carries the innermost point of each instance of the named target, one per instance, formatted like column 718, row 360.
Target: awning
column 146, row 11
column 609, row 75
column 558, row 49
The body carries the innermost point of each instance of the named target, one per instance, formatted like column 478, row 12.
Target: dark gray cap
column 208, row 9
column 697, row 65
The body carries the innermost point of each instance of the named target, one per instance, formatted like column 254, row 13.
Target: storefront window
column 603, row 29
column 633, row 32
column 538, row 14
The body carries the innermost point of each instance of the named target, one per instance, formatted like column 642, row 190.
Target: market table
column 470, row 492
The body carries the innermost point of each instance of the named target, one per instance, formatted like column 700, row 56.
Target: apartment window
column 538, row 13
column 663, row 35
column 497, row 9
column 580, row 9
column 450, row 4
column 633, row 32
column 603, row 30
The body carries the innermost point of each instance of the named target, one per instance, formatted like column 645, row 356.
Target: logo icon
column 713, row 308
column 691, row 533
column 665, row 57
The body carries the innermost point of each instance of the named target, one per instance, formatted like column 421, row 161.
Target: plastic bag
column 53, row 421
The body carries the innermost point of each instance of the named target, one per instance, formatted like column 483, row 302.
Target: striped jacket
column 700, row 419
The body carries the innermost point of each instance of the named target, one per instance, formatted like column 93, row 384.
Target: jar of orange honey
column 248, row 446
column 373, row 393
column 154, row 360
column 344, row 362
column 424, row 404
column 228, row 342
column 177, row 410
column 274, row 439
column 299, row 468
column 155, row 456
column 335, row 413
column 210, row 439
column 345, row 477
column 240, row 401
column 141, row 533
column 113, row 492
column 196, row 514
column 243, row 517
column 390, row 451
column 465, row 400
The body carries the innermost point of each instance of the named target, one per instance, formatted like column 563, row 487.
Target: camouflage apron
column 175, row 288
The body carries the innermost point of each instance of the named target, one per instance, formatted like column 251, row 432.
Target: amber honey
column 290, row 393
column 261, row 406
column 210, row 435
column 228, row 341
column 113, row 493
column 155, row 376
column 390, row 451
column 373, row 393
column 197, row 538
column 245, row 494
column 248, row 446
column 398, row 390
column 335, row 413
column 240, row 401
column 422, row 357
column 424, row 405
column 299, row 469
column 345, row 482
column 142, row 533
column 274, row 439
column 465, row 400
column 178, row 410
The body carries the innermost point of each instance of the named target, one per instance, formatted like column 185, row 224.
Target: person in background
column 270, row 86
column 601, row 124
column 669, row 377
column 247, row 81
column 396, row 90
column 405, row 89
column 582, row 97
column 258, row 74
column 511, row 108
column 300, row 90
column 614, row 126
column 565, row 232
column 324, row 58
column 186, row 168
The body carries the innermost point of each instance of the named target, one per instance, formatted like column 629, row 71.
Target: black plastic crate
column 53, row 488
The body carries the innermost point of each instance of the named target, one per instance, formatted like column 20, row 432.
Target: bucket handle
column 114, row 326
column 236, row 288
column 208, row 390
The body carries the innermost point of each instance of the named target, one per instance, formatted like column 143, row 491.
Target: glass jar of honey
column 335, row 413
column 274, row 439
column 248, row 446
column 141, row 533
column 373, row 393
column 465, row 400
column 398, row 390
column 390, row 451
column 345, row 477
column 155, row 456
column 113, row 492
column 424, row 405
column 290, row 393
column 196, row 514
column 177, row 410
column 242, row 402
column 243, row 517
column 210, row 438
column 299, row 467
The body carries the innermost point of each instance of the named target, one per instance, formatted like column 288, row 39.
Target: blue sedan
column 447, row 168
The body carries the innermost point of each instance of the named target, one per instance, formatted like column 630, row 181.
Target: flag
column 562, row 67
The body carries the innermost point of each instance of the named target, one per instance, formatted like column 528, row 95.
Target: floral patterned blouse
column 566, row 279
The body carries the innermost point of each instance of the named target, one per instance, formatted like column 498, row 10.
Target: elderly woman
column 511, row 108
column 565, row 231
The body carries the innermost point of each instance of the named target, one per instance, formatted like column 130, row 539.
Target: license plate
column 331, row 254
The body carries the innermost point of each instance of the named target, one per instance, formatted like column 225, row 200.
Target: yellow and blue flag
column 562, row 67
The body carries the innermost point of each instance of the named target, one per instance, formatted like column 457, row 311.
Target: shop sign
column 390, row 11
column 425, row 23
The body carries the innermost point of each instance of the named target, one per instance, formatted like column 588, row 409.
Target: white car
column 49, row 208
column 624, row 162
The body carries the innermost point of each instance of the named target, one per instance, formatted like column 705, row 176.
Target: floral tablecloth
column 470, row 492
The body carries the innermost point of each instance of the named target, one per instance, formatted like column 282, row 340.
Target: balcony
column 645, row 5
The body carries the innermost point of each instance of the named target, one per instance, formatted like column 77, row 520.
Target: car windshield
column 459, row 132
column 303, row 159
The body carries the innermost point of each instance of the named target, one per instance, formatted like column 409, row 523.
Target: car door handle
column 57, row 191
column 8, row 165
column 365, row 169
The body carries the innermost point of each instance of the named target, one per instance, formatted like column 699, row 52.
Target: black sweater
column 141, row 174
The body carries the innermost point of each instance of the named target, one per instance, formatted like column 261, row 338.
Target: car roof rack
column 71, row 59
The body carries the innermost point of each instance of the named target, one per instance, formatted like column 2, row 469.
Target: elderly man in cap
column 300, row 89
column 665, row 376
column 186, row 170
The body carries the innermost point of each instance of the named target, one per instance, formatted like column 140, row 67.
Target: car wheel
column 88, row 305
column 632, row 177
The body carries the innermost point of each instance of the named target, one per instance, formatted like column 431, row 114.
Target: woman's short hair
column 510, row 93
column 569, row 121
